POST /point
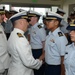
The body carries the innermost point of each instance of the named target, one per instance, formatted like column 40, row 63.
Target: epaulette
column 40, row 26
column 19, row 35
column 68, row 44
column 60, row 34
column 0, row 32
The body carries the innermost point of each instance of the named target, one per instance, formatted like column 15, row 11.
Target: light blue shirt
column 37, row 36
column 55, row 47
column 69, row 60
column 64, row 26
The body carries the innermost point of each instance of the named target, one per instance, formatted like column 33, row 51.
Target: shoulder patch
column 39, row 26
column 60, row 34
column 19, row 35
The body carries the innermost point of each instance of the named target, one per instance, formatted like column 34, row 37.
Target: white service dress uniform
column 4, row 56
column 22, row 61
column 55, row 46
column 69, row 59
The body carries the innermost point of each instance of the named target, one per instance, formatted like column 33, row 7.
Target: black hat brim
column 70, row 27
column 28, row 20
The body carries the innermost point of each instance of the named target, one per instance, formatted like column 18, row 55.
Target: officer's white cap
column 2, row 10
column 13, row 11
column 59, row 10
column 20, row 10
column 33, row 14
column 20, row 15
column 51, row 15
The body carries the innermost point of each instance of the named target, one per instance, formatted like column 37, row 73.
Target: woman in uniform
column 55, row 45
column 69, row 60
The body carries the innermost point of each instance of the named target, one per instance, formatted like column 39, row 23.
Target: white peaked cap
column 20, row 10
column 20, row 15
column 53, row 15
column 59, row 10
column 34, row 13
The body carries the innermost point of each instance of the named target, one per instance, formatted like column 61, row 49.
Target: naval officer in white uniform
column 22, row 61
column 4, row 56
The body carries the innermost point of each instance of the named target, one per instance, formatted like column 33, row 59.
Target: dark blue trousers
column 53, row 70
column 36, row 54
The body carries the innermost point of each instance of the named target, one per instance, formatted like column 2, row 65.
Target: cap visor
column 70, row 28
column 28, row 20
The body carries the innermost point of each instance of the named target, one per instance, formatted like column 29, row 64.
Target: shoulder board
column 39, row 26
column 68, row 44
column 19, row 35
column 60, row 34
column 0, row 32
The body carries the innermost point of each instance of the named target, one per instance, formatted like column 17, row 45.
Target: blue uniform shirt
column 69, row 60
column 63, row 28
column 37, row 36
column 55, row 47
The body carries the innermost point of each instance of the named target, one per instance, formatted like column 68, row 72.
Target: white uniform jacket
column 22, row 61
column 4, row 57
column 69, row 60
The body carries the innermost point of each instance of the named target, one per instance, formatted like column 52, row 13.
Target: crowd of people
column 28, row 47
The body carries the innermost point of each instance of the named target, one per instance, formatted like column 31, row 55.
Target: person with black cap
column 64, row 24
column 4, row 56
column 69, row 59
column 22, row 61
column 55, row 45
column 37, row 39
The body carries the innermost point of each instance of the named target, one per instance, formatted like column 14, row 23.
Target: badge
column 52, row 40
column 34, row 32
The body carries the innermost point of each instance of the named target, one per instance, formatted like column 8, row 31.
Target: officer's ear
column 56, row 22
